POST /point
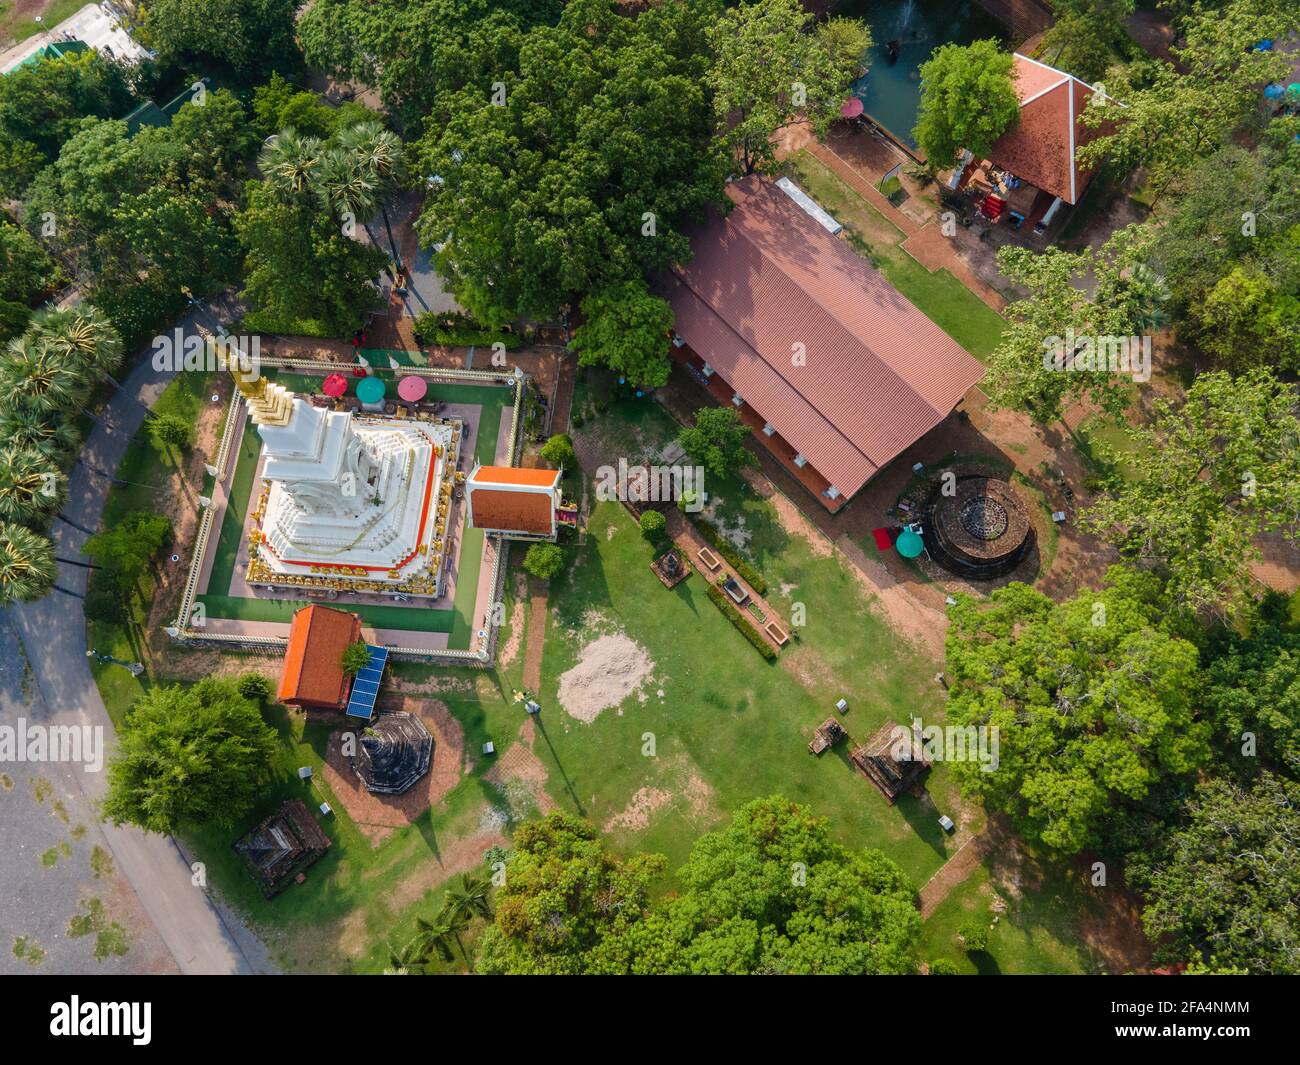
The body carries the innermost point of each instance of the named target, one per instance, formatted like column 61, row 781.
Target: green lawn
column 939, row 295
column 1036, row 933
column 15, row 28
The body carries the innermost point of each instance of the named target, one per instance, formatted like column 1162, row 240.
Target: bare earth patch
column 378, row 815
column 520, row 777
column 609, row 669
column 510, row 650
column 636, row 814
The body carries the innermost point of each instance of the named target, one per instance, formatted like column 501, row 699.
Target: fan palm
column 53, row 435
column 83, row 331
column 46, row 379
column 27, row 566
column 436, row 935
column 31, row 485
column 379, row 153
column 343, row 186
column 289, row 161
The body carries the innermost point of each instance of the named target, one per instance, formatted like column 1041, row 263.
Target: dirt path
column 536, row 636
column 953, row 872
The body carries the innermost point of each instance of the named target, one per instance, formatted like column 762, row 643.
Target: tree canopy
column 968, row 100
column 1217, row 470
column 1093, row 699
column 187, row 756
column 626, row 328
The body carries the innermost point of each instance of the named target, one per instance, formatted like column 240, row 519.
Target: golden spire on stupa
column 268, row 403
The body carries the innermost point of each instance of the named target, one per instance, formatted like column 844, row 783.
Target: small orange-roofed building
column 313, row 676
column 515, row 502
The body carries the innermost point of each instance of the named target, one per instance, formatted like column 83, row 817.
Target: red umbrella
column 851, row 108
column 412, row 388
column 335, row 385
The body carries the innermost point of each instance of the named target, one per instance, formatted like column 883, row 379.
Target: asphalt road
column 53, row 632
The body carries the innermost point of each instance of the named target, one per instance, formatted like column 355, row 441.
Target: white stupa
column 348, row 502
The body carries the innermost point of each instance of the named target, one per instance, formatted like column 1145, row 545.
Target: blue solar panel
column 365, row 686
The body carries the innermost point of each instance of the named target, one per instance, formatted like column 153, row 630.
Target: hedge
column 750, row 633
column 454, row 330
column 733, row 557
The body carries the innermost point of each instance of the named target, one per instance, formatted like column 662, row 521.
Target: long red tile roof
column 768, row 284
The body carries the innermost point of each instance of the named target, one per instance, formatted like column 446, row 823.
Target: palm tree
column 48, row 379
column 83, row 331
column 53, row 435
column 289, row 161
column 472, row 897
column 31, row 485
column 343, row 186
column 380, row 155
column 435, row 935
column 27, row 565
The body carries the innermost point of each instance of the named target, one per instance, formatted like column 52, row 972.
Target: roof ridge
column 813, row 295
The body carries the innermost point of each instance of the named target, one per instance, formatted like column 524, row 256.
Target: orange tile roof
column 523, row 512
column 516, row 475
column 1041, row 149
column 313, row 665
column 767, row 282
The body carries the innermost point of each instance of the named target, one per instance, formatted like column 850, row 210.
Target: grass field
column 725, row 727
column 16, row 28
column 939, row 295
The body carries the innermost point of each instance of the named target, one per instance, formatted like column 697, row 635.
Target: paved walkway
column 53, row 632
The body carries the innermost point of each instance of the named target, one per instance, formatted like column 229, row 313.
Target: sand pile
column 609, row 669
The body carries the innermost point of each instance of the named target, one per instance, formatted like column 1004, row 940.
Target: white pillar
column 1047, row 218
column 962, row 160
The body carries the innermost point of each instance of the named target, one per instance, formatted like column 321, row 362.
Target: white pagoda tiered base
column 349, row 503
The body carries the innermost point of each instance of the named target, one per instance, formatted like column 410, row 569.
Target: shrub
column 974, row 935
column 558, row 451
column 170, row 430
column 104, row 600
column 455, row 330
column 255, row 686
column 355, row 657
column 654, row 525
column 727, row 550
column 738, row 619
column 944, row 967
column 544, row 561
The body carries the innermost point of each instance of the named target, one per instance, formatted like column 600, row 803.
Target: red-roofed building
column 515, row 502
column 833, row 369
column 313, row 676
column 1034, row 167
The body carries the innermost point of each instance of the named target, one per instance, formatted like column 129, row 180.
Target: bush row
column 454, row 330
column 727, row 550
column 738, row 619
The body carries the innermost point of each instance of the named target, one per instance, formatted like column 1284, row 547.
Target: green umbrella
column 370, row 390
column 909, row 544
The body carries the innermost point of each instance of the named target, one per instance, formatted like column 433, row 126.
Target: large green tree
column 1252, row 697
column 249, row 38
column 189, row 756
column 577, row 170
column 769, row 68
column 564, row 892
column 773, row 893
column 1087, row 36
column 301, row 267
column 1047, row 358
column 1214, row 472
column 1092, row 699
column 968, row 100
column 626, row 328
column 1183, row 109
column 1225, row 885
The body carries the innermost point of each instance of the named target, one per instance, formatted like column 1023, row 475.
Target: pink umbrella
column 412, row 388
column 851, row 108
column 335, row 385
